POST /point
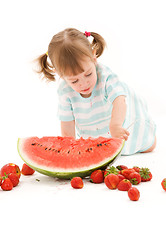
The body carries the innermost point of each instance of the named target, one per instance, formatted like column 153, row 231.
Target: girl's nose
column 84, row 83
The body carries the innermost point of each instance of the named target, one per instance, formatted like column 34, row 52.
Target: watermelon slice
column 66, row 157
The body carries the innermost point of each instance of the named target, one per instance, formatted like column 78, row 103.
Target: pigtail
column 98, row 44
column 45, row 68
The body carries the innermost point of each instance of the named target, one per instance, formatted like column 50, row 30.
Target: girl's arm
column 117, row 118
column 68, row 129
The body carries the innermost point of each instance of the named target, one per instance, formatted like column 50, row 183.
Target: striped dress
column 92, row 115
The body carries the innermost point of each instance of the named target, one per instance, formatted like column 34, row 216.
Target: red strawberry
column 124, row 185
column 111, row 181
column 97, row 176
column 77, row 182
column 146, row 175
column 14, row 179
column 126, row 172
column 7, row 185
column 121, row 167
column 133, row 194
column 26, row 170
column 0, row 180
column 121, row 177
column 136, row 169
column 163, row 184
column 110, row 170
column 135, row 178
column 10, row 168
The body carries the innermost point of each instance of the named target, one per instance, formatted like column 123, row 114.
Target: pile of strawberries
column 120, row 177
column 10, row 175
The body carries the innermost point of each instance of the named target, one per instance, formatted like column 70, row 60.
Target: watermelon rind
column 68, row 174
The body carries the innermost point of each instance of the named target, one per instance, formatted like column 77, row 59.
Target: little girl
column 92, row 101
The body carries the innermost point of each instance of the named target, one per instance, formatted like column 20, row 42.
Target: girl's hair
column 67, row 50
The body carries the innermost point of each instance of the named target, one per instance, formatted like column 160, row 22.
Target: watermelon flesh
column 66, row 157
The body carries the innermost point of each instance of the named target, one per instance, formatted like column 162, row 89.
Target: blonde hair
column 67, row 50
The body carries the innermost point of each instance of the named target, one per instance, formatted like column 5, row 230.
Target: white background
column 136, row 52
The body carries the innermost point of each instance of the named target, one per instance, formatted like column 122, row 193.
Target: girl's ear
column 54, row 70
column 94, row 55
column 94, row 52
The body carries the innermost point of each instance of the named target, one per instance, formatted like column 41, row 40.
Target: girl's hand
column 119, row 132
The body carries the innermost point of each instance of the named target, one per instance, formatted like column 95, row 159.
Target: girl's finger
column 125, row 137
column 127, row 132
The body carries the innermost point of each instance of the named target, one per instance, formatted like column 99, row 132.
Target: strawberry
column 135, row 178
column 110, row 170
column 121, row 177
column 126, row 172
column 77, row 182
column 163, row 184
column 97, row 176
column 111, row 181
column 7, row 185
column 121, row 167
column 146, row 175
column 124, row 185
column 133, row 194
column 14, row 179
column 10, row 168
column 0, row 180
column 26, row 170
column 136, row 169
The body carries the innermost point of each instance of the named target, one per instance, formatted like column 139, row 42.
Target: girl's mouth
column 85, row 90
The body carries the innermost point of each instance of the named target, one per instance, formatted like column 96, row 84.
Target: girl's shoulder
column 104, row 73
column 101, row 67
column 63, row 88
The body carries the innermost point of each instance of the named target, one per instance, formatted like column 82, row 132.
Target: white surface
column 51, row 207
column 134, row 31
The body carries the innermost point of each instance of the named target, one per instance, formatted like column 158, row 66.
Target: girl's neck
column 86, row 95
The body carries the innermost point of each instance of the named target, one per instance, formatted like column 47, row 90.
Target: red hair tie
column 87, row 34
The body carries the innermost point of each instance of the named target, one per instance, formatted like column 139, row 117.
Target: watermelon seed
column 68, row 151
column 49, row 149
column 105, row 144
column 88, row 150
column 79, row 153
column 33, row 144
column 45, row 148
column 100, row 144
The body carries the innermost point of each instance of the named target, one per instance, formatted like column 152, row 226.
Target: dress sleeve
column 65, row 110
column 114, row 88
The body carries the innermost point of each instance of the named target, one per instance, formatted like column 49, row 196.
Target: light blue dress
column 92, row 115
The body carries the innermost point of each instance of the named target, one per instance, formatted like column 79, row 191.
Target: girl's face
column 84, row 82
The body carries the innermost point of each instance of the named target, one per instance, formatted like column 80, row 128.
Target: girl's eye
column 88, row 74
column 75, row 81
